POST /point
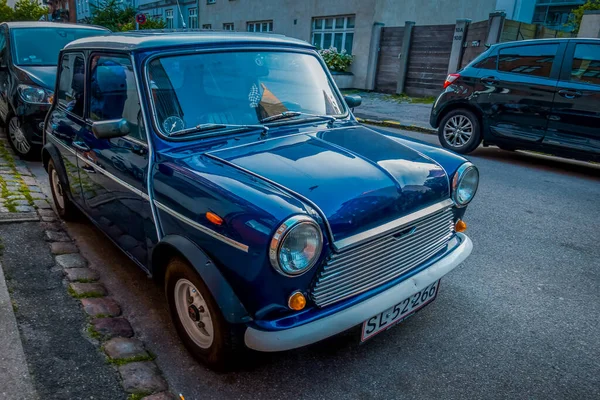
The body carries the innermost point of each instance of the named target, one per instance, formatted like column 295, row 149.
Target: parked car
column 28, row 56
column 541, row 95
column 272, row 217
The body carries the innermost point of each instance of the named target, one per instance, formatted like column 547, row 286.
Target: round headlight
column 296, row 246
column 33, row 94
column 464, row 184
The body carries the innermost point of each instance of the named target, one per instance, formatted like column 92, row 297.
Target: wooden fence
column 430, row 51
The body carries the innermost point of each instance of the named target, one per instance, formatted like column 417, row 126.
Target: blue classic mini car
column 229, row 167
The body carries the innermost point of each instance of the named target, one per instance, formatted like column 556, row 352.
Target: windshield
column 242, row 88
column 40, row 46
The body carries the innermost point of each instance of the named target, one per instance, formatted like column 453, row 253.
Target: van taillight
column 450, row 80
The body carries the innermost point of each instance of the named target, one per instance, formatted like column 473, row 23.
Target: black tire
column 224, row 353
column 466, row 123
column 18, row 140
column 65, row 207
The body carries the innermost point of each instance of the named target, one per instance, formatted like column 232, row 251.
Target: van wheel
column 460, row 131
column 198, row 318
column 18, row 139
column 64, row 206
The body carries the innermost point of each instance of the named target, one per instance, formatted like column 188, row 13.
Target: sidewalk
column 394, row 111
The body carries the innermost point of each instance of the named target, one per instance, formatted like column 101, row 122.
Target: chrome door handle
column 570, row 94
column 81, row 146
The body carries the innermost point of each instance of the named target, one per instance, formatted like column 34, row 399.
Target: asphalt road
column 519, row 319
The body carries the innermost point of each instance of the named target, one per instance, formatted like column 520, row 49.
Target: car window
column 71, row 83
column 28, row 49
column 532, row 60
column 113, row 93
column 3, row 59
column 487, row 63
column 586, row 64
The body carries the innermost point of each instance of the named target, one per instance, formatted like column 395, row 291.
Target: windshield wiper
column 292, row 114
column 212, row 127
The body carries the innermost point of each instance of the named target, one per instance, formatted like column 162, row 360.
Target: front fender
column 230, row 305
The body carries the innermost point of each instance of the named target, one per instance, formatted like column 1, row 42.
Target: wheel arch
column 172, row 246
column 50, row 152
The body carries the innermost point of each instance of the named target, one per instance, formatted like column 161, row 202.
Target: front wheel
column 460, row 131
column 18, row 139
column 198, row 318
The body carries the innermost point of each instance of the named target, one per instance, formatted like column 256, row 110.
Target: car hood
column 358, row 178
column 42, row 76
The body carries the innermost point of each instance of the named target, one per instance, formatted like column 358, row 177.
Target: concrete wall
column 590, row 25
column 432, row 12
column 294, row 18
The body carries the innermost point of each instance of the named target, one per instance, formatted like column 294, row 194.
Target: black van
column 28, row 58
column 541, row 95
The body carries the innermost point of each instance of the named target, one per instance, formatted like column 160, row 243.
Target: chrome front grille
column 359, row 269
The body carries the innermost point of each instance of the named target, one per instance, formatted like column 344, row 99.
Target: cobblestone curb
column 140, row 376
column 397, row 125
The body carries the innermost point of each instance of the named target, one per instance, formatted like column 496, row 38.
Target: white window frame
column 193, row 18
column 169, row 18
column 228, row 26
column 322, row 30
column 257, row 26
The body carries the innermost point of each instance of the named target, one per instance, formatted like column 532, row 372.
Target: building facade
column 555, row 14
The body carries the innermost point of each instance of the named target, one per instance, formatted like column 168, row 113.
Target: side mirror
column 110, row 129
column 353, row 100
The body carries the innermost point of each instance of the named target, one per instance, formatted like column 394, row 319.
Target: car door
column 521, row 90
column 4, row 73
column 115, row 192
column 575, row 120
column 65, row 120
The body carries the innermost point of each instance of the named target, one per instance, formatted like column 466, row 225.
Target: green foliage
column 577, row 14
column 6, row 13
column 336, row 61
column 117, row 18
column 29, row 10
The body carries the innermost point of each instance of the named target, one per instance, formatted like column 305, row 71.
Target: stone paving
column 22, row 199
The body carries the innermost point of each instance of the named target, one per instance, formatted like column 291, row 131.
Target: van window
column 532, row 60
column 586, row 64
column 71, row 83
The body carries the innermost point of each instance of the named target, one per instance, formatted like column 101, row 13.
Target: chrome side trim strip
column 202, row 228
column 374, row 233
column 325, row 327
column 306, row 201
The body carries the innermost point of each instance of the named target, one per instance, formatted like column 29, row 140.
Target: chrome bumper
column 323, row 328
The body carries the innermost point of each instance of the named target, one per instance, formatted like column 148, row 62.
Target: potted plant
column 338, row 63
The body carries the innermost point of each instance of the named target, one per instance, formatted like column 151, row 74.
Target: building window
column 207, row 26
column 260, row 26
column 211, row 1
column 169, row 18
column 193, row 18
column 335, row 32
column 228, row 26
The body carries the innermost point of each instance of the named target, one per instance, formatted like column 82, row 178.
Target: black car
column 28, row 58
column 541, row 95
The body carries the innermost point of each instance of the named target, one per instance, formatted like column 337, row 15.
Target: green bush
column 117, row 18
column 25, row 10
column 577, row 14
column 336, row 61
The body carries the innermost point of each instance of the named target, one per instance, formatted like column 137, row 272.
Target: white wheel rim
column 17, row 137
column 57, row 190
column 193, row 313
column 458, row 131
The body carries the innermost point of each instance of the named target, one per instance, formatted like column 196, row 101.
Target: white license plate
column 399, row 312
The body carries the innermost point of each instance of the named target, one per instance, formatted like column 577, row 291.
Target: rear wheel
column 64, row 207
column 198, row 318
column 18, row 139
column 460, row 131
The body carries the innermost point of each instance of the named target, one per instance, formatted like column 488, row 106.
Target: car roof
column 536, row 41
column 45, row 24
column 151, row 39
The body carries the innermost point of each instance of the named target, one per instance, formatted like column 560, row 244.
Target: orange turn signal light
column 460, row 226
column 297, row 301
column 214, row 218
